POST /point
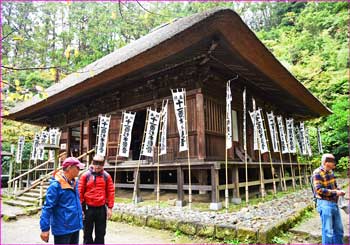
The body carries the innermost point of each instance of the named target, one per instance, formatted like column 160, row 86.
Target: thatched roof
column 160, row 44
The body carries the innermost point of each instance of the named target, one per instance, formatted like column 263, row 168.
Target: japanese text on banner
column 127, row 125
column 163, row 131
column 228, row 116
column 102, row 135
column 151, row 133
column 290, row 135
column 180, row 113
column 284, row 146
column 20, row 147
column 273, row 131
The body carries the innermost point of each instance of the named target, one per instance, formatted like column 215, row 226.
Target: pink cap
column 72, row 161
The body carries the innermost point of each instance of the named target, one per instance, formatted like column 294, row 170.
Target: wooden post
column 262, row 182
column 10, row 176
column 56, row 163
column 270, row 157
column 188, row 155
column 180, row 187
column 28, row 176
column 41, row 193
column 137, row 193
column 245, row 145
column 235, row 181
column 292, row 170
column 200, row 126
column 282, row 168
column 280, row 179
column 300, row 180
column 215, row 195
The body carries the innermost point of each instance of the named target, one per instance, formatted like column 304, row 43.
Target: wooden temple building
column 199, row 53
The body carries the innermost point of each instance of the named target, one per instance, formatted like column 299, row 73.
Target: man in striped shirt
column 327, row 194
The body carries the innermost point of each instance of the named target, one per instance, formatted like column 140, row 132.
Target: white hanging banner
column 307, row 142
column 179, row 97
column 298, row 139
column 261, row 132
column 273, row 131
column 284, row 146
column 303, row 139
column 228, row 116
column 102, row 139
column 290, row 135
column 253, row 117
column 163, row 130
column 20, row 147
column 44, row 139
column 244, row 120
column 151, row 133
column 54, row 139
column 319, row 141
column 125, row 140
column 35, row 145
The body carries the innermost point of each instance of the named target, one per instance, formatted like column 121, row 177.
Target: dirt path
column 26, row 231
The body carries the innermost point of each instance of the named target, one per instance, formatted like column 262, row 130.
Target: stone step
column 19, row 203
column 37, row 190
column 27, row 199
column 31, row 194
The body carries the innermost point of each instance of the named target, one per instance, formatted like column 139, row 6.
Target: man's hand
column 340, row 193
column 45, row 236
column 109, row 213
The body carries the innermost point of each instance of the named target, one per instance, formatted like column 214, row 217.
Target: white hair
column 325, row 156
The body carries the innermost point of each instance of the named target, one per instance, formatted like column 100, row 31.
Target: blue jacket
column 62, row 208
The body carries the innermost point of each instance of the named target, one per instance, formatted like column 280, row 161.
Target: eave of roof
column 157, row 45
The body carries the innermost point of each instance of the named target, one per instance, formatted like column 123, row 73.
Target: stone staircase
column 30, row 199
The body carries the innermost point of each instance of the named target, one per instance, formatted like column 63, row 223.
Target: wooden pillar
column 293, row 175
column 235, row 180
column 262, row 180
column 155, row 176
column 180, row 187
column 215, row 195
column 200, row 126
column 304, row 173
column 81, row 144
column 202, row 178
column 280, row 181
column 138, row 197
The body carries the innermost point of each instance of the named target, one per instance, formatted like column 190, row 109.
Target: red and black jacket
column 96, row 189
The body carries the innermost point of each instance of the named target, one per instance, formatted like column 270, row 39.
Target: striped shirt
column 325, row 184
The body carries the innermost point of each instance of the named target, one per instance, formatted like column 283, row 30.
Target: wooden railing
column 48, row 175
column 35, row 168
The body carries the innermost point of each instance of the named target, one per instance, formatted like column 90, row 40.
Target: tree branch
column 31, row 68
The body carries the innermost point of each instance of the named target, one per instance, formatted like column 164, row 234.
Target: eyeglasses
column 98, row 163
column 329, row 159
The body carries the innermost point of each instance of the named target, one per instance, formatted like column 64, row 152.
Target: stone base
column 138, row 199
column 215, row 206
column 236, row 200
column 180, row 203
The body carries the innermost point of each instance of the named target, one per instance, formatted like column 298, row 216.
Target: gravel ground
column 252, row 216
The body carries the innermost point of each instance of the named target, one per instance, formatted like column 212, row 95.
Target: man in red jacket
column 96, row 190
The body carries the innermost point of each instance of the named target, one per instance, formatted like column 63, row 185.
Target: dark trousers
column 71, row 238
column 95, row 217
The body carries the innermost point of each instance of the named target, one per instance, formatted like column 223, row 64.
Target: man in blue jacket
column 62, row 209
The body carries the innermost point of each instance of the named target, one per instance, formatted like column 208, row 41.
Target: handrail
column 29, row 171
column 45, row 177
column 86, row 153
column 37, row 182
